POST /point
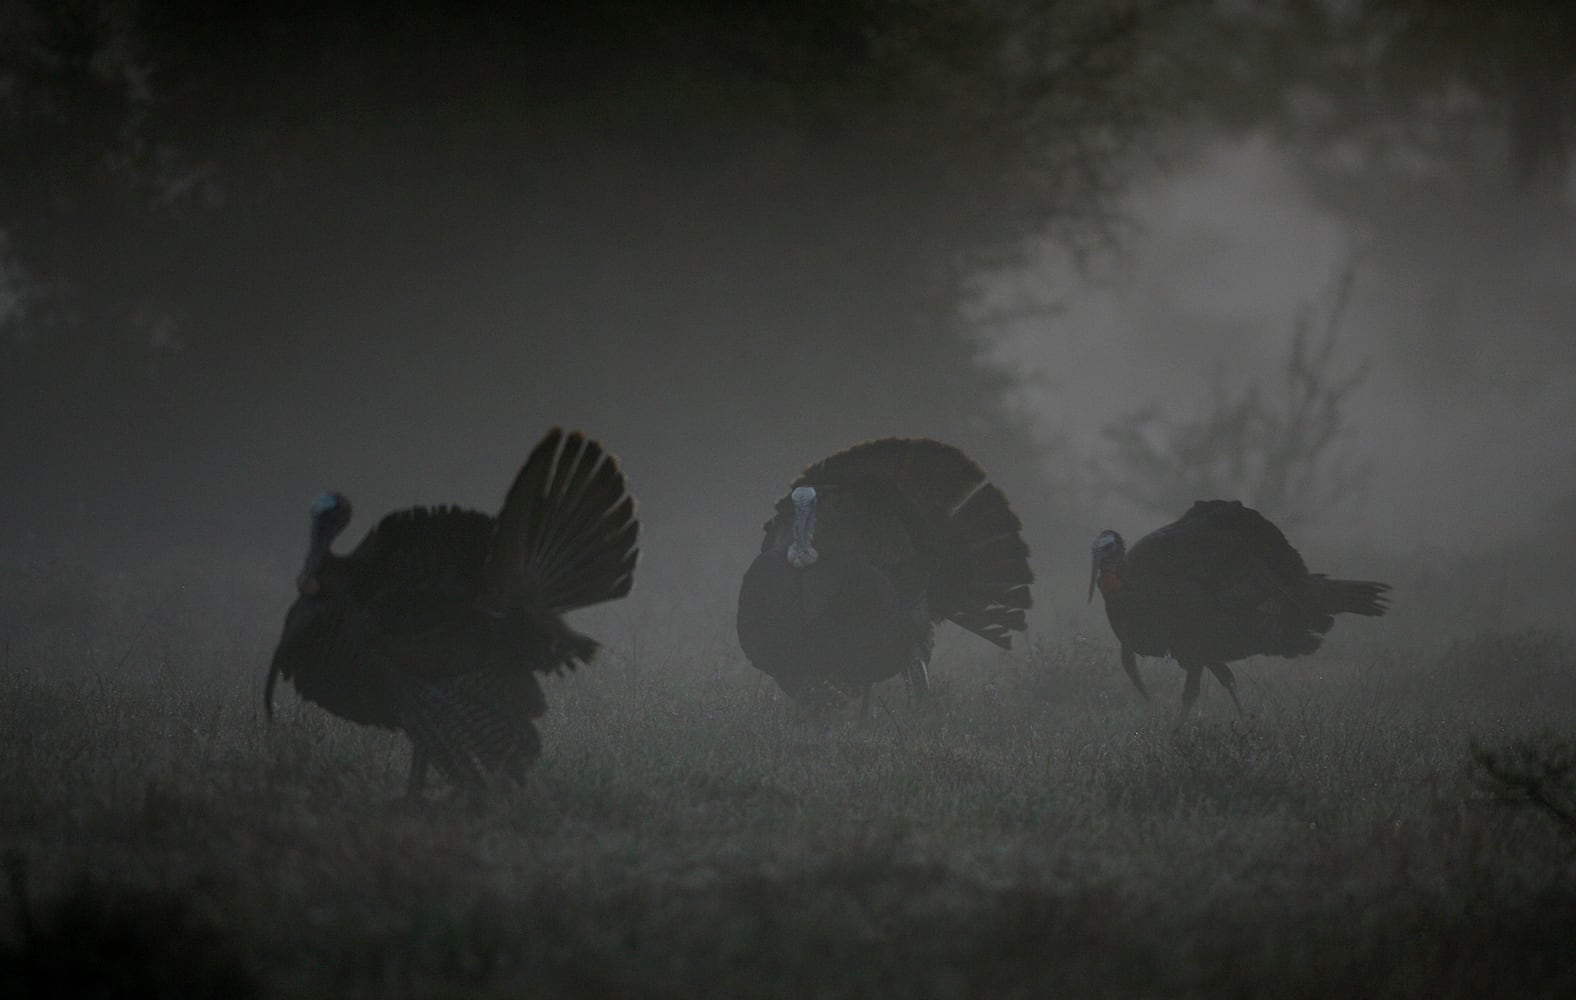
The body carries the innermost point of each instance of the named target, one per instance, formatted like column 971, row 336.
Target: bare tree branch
column 1281, row 453
column 1535, row 770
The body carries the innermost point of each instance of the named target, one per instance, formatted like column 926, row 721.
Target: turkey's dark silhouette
column 871, row 547
column 438, row 622
column 1218, row 584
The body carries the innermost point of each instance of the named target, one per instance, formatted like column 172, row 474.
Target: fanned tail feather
column 988, row 580
column 1358, row 597
column 983, row 577
column 928, row 472
column 566, row 536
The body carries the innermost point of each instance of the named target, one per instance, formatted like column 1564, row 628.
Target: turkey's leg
column 1190, row 689
column 918, row 677
column 418, row 771
column 1228, row 680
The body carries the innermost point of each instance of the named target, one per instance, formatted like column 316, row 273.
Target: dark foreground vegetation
column 1036, row 831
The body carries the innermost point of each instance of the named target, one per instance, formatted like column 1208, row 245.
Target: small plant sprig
column 1536, row 770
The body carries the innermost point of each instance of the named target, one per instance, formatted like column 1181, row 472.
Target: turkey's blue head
column 1105, row 564
column 801, row 551
column 330, row 514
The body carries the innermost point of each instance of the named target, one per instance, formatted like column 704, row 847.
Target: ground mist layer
column 1036, row 830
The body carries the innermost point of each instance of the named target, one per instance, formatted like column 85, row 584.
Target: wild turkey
column 1218, row 584
column 871, row 547
column 438, row 622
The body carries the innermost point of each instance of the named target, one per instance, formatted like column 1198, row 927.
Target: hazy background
column 251, row 258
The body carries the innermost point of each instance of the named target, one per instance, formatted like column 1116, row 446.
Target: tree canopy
column 206, row 213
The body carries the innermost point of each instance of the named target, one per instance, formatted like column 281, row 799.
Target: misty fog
column 245, row 259
column 1461, row 315
column 714, row 296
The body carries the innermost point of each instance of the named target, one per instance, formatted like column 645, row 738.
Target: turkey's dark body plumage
column 1219, row 584
column 907, row 533
column 438, row 622
column 831, row 630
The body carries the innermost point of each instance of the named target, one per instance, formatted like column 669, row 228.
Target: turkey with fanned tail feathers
column 871, row 548
column 1218, row 584
column 438, row 622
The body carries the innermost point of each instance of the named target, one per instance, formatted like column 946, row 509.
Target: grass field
column 1036, row 831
